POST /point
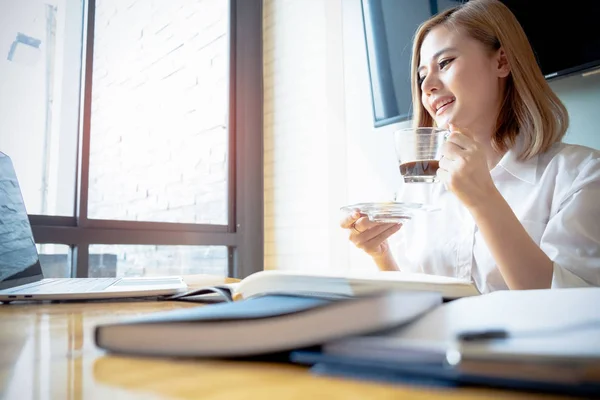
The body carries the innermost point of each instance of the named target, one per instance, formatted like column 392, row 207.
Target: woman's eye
column 420, row 80
column 443, row 63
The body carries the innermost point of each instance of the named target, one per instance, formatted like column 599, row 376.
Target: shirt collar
column 525, row 170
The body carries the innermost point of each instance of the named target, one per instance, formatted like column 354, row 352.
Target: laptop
column 21, row 276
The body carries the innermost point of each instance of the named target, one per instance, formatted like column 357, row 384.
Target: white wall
column 581, row 95
column 319, row 141
column 39, row 100
column 23, row 95
column 371, row 163
column 296, row 131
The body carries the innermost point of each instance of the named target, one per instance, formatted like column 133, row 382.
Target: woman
column 521, row 210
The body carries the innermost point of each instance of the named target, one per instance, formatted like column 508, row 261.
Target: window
column 159, row 128
column 144, row 260
column 55, row 260
column 145, row 137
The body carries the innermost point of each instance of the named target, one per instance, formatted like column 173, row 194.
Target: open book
column 334, row 285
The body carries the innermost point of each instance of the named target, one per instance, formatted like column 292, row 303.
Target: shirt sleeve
column 572, row 237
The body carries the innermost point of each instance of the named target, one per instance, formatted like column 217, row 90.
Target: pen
column 471, row 336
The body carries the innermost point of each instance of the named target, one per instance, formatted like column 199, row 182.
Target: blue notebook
column 262, row 325
column 430, row 375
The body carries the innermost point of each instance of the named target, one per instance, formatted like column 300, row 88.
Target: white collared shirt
column 555, row 195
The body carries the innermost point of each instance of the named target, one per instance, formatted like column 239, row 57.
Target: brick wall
column 158, row 131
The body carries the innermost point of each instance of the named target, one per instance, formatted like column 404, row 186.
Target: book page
column 350, row 283
column 540, row 323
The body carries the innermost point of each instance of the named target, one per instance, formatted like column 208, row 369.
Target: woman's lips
column 444, row 107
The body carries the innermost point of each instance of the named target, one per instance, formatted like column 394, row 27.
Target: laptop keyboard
column 70, row 285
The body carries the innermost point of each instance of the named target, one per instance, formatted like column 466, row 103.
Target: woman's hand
column 369, row 236
column 464, row 170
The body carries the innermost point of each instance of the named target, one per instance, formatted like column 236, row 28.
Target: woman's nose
column 430, row 84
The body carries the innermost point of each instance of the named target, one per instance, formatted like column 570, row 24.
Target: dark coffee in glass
column 419, row 151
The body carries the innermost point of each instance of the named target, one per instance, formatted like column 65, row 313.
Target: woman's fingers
column 364, row 224
column 445, row 163
column 459, row 138
column 349, row 219
column 452, row 151
column 443, row 175
column 372, row 232
column 366, row 234
column 372, row 244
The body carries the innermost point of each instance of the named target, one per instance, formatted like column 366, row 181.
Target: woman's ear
column 502, row 66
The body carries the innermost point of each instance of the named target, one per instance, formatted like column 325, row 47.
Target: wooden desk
column 47, row 352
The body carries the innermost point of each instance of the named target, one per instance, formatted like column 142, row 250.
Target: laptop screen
column 19, row 262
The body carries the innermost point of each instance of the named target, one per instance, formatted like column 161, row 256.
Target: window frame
column 244, row 234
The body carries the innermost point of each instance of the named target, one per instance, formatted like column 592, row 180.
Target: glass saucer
column 390, row 211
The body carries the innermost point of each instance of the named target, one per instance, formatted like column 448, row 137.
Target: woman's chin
column 449, row 121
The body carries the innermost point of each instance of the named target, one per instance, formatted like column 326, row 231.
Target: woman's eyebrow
column 437, row 54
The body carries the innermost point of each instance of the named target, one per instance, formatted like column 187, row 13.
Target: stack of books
column 385, row 326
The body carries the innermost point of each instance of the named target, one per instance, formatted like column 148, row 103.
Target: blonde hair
column 530, row 107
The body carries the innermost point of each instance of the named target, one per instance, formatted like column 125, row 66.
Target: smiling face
column 461, row 81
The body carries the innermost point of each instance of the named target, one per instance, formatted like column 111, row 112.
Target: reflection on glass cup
column 418, row 151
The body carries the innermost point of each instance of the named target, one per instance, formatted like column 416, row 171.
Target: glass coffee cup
column 418, row 151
